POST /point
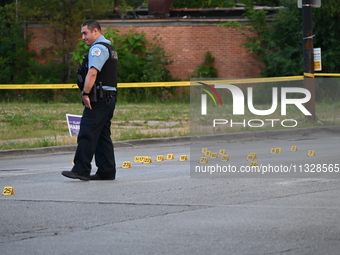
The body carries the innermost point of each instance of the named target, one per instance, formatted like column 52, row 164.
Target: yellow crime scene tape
column 327, row 74
column 165, row 84
column 74, row 86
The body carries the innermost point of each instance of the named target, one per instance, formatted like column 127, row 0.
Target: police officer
column 94, row 138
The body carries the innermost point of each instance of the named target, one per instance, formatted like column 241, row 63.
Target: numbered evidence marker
column 8, row 191
column 214, row 155
column 204, row 150
column 170, row 156
column 293, row 148
column 222, row 152
column 251, row 157
column 276, row 150
column 126, row 164
column 254, row 164
column 207, row 153
column 225, row 158
column 139, row 159
column 204, row 160
column 254, row 155
column 183, row 158
column 311, row 153
column 160, row 158
column 147, row 160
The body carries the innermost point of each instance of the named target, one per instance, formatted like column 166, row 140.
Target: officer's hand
column 87, row 102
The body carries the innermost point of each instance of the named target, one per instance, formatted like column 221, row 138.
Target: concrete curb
column 268, row 134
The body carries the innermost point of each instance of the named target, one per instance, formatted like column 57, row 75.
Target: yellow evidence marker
column 214, row 155
column 183, row 158
column 207, row 153
column 160, row 158
column 293, row 148
column 204, row 150
column 276, row 150
column 254, row 155
column 126, row 164
column 311, row 153
column 8, row 191
column 170, row 156
column 147, row 160
column 225, row 158
column 204, row 160
column 254, row 164
column 222, row 151
column 139, row 159
column 251, row 157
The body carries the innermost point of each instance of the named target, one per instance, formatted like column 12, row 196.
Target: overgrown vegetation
column 33, row 125
column 207, row 68
column 139, row 61
column 277, row 42
column 44, row 124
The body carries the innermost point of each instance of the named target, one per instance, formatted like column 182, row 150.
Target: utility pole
column 308, row 50
column 308, row 55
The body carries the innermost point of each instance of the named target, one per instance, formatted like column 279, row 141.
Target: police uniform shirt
column 98, row 55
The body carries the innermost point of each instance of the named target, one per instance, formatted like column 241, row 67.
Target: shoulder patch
column 96, row 51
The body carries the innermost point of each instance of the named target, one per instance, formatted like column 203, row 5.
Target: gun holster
column 93, row 94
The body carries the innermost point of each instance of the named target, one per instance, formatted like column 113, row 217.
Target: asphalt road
column 160, row 208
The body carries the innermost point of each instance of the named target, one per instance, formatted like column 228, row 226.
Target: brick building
column 186, row 40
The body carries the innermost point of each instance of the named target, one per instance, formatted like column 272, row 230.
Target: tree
column 4, row 2
column 139, row 61
column 14, row 56
column 327, row 34
column 277, row 42
column 65, row 18
column 281, row 44
column 207, row 68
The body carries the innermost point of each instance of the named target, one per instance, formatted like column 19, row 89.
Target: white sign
column 313, row 3
column 317, row 59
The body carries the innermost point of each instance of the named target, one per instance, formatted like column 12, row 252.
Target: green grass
column 32, row 125
column 44, row 124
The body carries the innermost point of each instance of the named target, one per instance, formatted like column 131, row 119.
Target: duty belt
column 109, row 93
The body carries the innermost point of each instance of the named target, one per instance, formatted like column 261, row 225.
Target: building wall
column 43, row 38
column 186, row 41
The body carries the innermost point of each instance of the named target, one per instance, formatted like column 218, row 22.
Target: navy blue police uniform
column 94, row 138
